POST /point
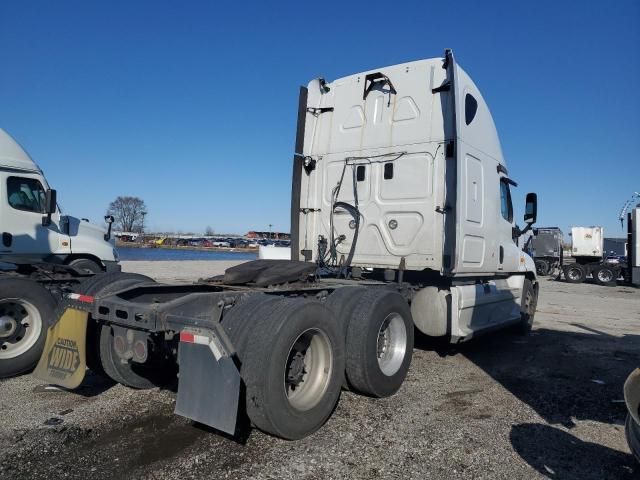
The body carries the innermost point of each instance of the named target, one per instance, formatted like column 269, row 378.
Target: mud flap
column 208, row 387
column 63, row 358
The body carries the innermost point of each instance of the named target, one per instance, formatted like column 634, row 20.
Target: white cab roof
column 13, row 156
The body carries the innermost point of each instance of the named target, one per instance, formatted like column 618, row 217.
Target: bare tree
column 209, row 232
column 128, row 212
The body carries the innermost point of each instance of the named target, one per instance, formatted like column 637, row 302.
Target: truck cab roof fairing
column 13, row 156
column 480, row 132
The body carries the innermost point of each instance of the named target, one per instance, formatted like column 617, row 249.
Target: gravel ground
column 501, row 406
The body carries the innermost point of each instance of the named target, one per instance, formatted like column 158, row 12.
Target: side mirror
column 109, row 221
column 50, row 206
column 531, row 209
column 50, row 202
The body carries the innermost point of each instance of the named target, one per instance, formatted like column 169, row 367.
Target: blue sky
column 192, row 105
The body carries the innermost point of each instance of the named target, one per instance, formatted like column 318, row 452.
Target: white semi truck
column 590, row 257
column 401, row 216
column 43, row 252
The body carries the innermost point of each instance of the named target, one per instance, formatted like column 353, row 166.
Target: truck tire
column 542, row 267
column 103, row 283
column 139, row 376
column 528, row 304
column 26, row 312
column 379, row 343
column 342, row 302
column 238, row 322
column 86, row 265
column 101, row 355
column 574, row 273
column 605, row 275
column 292, row 367
column 632, row 432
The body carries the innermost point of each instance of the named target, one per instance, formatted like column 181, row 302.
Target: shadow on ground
column 564, row 377
column 557, row 454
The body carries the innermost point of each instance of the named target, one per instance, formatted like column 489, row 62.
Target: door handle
column 7, row 239
column 501, row 254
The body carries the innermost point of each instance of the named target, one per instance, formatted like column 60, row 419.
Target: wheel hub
column 20, row 326
column 8, row 326
column 604, row 276
column 296, row 372
column 392, row 344
column 307, row 370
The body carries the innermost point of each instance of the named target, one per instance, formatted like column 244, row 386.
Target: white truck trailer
column 401, row 216
column 43, row 252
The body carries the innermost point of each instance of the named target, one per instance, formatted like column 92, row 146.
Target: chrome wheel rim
column 605, row 276
column 308, row 369
column 574, row 274
column 392, row 344
column 20, row 327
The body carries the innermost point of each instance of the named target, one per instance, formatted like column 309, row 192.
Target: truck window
column 470, row 108
column 506, row 206
column 26, row 194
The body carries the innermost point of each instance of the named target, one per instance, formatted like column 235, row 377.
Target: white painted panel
column 412, row 178
column 586, row 241
column 481, row 306
column 475, row 190
column 473, row 249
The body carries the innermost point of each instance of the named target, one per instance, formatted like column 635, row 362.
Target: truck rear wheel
column 605, row 275
column 632, row 432
column 101, row 354
column 542, row 267
column 342, row 302
column 103, row 283
column 26, row 311
column 292, row 367
column 155, row 372
column 379, row 343
column 239, row 322
column 574, row 273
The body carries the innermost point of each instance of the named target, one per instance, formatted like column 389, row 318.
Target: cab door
column 22, row 209
column 474, row 159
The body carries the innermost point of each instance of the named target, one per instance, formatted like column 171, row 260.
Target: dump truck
column 43, row 253
column 401, row 218
column 545, row 246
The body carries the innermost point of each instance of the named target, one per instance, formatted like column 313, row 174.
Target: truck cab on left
column 34, row 235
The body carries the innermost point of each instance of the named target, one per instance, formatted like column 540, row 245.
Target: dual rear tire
column 602, row 274
column 291, row 353
column 295, row 354
column 379, row 338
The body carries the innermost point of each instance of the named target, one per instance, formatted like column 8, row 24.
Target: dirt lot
column 548, row 405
